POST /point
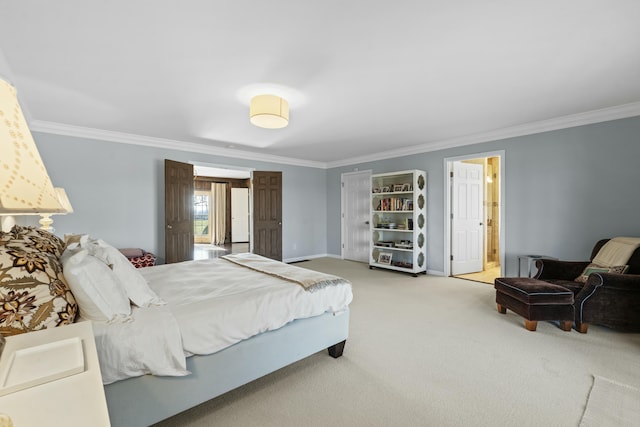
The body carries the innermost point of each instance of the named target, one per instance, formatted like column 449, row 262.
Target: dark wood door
column 178, row 211
column 267, row 214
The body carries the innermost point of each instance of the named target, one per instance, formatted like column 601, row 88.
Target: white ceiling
column 363, row 78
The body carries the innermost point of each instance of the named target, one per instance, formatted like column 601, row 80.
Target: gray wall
column 565, row 189
column 117, row 192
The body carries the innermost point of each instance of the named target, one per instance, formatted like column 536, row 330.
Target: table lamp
column 25, row 186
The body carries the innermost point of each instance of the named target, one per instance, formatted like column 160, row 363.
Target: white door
column 356, row 211
column 467, row 213
column 239, row 215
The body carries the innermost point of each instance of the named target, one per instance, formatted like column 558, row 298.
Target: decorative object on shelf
column 26, row 188
column 405, row 245
column 385, row 258
column 403, row 264
column 269, row 111
column 396, row 205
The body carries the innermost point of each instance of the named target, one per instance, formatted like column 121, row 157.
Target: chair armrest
column 612, row 281
column 606, row 283
column 609, row 299
column 559, row 270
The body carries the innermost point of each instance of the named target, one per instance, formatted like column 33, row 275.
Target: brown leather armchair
column 608, row 299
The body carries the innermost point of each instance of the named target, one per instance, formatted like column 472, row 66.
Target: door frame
column 343, row 204
column 229, row 167
column 448, row 162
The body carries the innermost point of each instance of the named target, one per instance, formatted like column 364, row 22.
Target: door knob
column 169, row 226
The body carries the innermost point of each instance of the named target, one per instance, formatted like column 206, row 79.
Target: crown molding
column 171, row 144
column 596, row 116
column 564, row 122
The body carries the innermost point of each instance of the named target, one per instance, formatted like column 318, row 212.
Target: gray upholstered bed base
column 148, row 399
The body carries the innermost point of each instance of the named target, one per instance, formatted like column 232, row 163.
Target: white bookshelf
column 399, row 221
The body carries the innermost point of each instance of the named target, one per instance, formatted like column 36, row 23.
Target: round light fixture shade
column 269, row 111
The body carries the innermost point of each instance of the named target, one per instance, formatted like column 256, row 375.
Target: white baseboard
column 304, row 258
column 435, row 272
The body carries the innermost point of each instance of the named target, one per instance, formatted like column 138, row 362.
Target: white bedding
column 214, row 304
column 218, row 303
column 150, row 343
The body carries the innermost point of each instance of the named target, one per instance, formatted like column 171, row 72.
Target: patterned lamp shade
column 25, row 186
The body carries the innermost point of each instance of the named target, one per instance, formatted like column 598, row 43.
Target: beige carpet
column 485, row 276
column 431, row 351
column 612, row 404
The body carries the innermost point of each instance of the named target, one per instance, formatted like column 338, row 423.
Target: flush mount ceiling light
column 269, row 111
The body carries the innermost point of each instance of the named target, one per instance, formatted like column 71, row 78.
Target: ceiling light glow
column 269, row 111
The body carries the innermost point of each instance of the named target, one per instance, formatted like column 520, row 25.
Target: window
column 201, row 217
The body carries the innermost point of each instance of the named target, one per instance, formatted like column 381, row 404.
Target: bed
column 195, row 330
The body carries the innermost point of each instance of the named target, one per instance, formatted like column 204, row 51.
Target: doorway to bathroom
column 475, row 215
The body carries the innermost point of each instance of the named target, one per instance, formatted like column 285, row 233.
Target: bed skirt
column 145, row 400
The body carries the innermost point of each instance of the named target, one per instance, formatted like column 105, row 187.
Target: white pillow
column 134, row 283
column 99, row 293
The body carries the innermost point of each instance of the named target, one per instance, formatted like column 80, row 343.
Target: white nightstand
column 75, row 400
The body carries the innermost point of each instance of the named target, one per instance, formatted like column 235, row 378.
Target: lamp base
column 7, row 222
column 46, row 222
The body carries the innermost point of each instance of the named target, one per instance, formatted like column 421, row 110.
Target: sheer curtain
column 219, row 216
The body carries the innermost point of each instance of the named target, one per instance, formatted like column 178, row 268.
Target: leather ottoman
column 535, row 300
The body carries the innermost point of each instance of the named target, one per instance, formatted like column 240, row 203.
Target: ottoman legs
column 532, row 325
column 565, row 325
column 582, row 327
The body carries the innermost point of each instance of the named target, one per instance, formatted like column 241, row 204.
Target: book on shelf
column 395, row 204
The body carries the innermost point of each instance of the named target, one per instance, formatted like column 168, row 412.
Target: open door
column 267, row 214
column 467, row 218
column 178, row 211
